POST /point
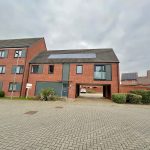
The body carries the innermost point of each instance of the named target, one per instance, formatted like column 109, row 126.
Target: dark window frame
column 102, row 65
column 19, row 50
column 13, row 83
column 32, row 69
column 19, row 69
column 49, row 70
column 77, row 69
column 3, row 66
column 3, row 51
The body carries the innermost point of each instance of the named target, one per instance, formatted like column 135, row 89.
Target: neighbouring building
column 15, row 55
column 66, row 70
column 134, row 79
column 129, row 78
column 144, row 80
column 131, row 81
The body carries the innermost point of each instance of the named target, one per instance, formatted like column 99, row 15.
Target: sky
column 123, row 25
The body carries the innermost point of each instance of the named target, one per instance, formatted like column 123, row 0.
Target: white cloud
column 68, row 24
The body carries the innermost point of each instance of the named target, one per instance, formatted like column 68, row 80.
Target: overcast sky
column 123, row 25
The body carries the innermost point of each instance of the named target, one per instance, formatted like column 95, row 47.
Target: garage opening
column 93, row 91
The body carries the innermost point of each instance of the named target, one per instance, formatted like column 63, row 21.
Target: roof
column 129, row 76
column 16, row 43
column 77, row 56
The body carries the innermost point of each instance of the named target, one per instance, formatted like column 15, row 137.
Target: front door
column 65, row 89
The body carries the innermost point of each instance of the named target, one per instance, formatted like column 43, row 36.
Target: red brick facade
column 10, row 61
column 45, row 76
column 87, row 77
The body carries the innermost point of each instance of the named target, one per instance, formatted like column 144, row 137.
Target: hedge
column 133, row 98
column 145, row 95
column 119, row 98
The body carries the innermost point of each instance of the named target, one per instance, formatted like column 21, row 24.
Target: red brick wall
column 10, row 61
column 56, row 77
column 33, row 51
column 128, row 88
column 88, row 76
column 8, row 76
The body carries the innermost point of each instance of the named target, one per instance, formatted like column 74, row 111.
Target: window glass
column 2, row 54
column 15, row 86
column 51, row 69
column 2, row 69
column 79, row 69
column 35, row 69
column 100, row 72
column 18, row 53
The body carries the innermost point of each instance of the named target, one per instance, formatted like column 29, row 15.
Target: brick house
column 15, row 55
column 66, row 70
column 129, row 78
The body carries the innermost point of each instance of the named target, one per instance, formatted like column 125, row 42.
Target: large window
column 17, row 69
column 100, row 72
column 51, row 69
column 79, row 69
column 20, row 53
column 2, row 69
column 3, row 53
column 36, row 69
column 16, row 87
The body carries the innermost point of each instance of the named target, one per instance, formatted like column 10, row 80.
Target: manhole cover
column 58, row 107
column 31, row 112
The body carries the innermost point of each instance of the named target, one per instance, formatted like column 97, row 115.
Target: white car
column 83, row 90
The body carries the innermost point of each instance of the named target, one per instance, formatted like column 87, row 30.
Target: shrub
column 145, row 95
column 119, row 98
column 47, row 94
column 133, row 98
column 2, row 94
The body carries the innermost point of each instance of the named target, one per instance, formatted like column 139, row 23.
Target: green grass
column 19, row 98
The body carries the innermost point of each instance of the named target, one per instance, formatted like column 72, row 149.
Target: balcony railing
column 100, row 75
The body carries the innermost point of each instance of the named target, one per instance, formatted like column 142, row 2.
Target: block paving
column 73, row 126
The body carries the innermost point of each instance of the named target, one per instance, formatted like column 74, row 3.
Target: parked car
column 82, row 90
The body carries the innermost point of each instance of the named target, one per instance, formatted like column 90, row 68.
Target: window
column 79, row 69
column 16, row 87
column 99, row 72
column 3, row 53
column 36, row 69
column 2, row 69
column 51, row 69
column 17, row 69
column 20, row 53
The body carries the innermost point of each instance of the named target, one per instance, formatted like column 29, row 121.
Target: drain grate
column 31, row 112
column 59, row 107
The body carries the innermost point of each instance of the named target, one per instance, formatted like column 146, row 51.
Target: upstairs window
column 3, row 53
column 36, row 69
column 17, row 69
column 51, row 69
column 79, row 69
column 20, row 53
column 16, row 87
column 99, row 72
column 2, row 69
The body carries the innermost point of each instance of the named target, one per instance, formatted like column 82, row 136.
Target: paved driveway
column 80, row 125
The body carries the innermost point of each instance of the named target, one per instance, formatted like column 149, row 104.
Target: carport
column 105, row 92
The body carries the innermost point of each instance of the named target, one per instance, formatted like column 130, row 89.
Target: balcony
column 100, row 75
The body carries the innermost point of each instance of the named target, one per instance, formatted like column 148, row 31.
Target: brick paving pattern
column 73, row 126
